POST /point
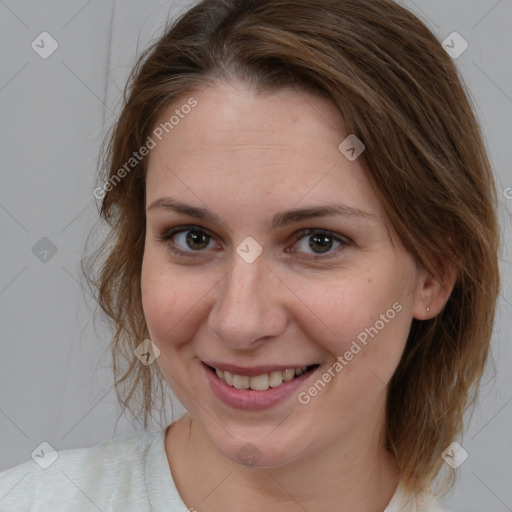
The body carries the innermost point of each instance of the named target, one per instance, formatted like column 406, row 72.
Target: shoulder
column 428, row 503
column 109, row 472
column 402, row 501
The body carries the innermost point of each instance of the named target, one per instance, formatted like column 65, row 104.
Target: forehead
column 234, row 114
column 243, row 144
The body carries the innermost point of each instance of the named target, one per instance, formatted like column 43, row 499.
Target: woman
column 327, row 375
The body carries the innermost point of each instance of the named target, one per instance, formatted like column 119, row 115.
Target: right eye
column 186, row 240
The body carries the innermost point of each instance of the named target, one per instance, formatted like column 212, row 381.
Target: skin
column 247, row 156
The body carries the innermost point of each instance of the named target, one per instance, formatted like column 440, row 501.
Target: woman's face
column 256, row 290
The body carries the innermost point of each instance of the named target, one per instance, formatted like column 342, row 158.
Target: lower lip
column 251, row 400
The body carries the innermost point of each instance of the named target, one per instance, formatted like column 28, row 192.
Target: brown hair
column 400, row 93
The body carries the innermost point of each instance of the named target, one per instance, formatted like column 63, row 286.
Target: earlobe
column 434, row 294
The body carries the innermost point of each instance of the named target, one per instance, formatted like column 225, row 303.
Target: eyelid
column 307, row 231
column 166, row 236
column 298, row 235
column 343, row 241
column 183, row 227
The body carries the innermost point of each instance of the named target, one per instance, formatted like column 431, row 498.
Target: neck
column 354, row 473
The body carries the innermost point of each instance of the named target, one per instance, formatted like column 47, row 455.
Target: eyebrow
column 279, row 220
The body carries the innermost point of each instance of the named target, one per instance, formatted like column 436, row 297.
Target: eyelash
column 167, row 235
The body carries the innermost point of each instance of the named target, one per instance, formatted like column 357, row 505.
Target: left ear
column 432, row 294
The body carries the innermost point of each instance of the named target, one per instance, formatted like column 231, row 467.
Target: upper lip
column 253, row 370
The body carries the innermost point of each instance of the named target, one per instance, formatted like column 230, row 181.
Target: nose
column 249, row 307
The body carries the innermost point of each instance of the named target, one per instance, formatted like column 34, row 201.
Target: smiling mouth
column 261, row 382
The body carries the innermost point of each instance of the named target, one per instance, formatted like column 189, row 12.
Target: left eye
column 320, row 240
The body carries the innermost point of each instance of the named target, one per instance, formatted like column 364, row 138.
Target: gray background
column 55, row 376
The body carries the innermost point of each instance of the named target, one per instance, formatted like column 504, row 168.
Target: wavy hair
column 401, row 94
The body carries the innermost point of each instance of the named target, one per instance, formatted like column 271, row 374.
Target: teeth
column 288, row 374
column 259, row 382
column 241, row 381
column 275, row 378
column 228, row 378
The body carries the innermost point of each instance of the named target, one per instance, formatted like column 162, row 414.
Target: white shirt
column 126, row 474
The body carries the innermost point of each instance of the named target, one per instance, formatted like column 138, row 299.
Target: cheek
column 364, row 318
column 370, row 322
column 162, row 301
column 173, row 300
